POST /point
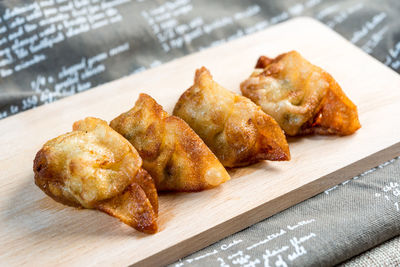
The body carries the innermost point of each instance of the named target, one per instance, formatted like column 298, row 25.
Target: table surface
column 49, row 51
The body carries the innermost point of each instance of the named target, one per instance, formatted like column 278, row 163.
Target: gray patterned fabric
column 75, row 54
column 325, row 230
column 386, row 254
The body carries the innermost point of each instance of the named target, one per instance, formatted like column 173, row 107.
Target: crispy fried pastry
column 302, row 98
column 172, row 153
column 95, row 167
column 235, row 129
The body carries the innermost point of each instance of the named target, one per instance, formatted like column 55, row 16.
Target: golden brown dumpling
column 172, row 153
column 301, row 97
column 95, row 167
column 235, row 129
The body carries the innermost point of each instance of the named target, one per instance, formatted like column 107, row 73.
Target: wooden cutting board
column 37, row 231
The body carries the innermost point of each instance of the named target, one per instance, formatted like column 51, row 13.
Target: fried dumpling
column 301, row 97
column 176, row 158
column 233, row 127
column 95, row 167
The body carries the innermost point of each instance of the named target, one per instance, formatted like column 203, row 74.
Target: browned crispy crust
column 95, row 167
column 144, row 180
column 336, row 115
column 176, row 158
column 303, row 98
column 46, row 177
column 234, row 128
column 132, row 207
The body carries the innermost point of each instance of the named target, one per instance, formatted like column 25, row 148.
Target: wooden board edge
column 268, row 209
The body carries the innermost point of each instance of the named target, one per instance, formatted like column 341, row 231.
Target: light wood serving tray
column 37, row 231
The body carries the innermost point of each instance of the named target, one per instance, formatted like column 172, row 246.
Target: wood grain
column 35, row 230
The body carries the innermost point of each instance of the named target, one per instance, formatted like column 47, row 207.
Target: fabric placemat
column 386, row 254
column 53, row 49
column 324, row 230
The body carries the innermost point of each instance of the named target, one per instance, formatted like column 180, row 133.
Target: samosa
column 301, row 97
column 235, row 129
column 173, row 154
column 94, row 167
